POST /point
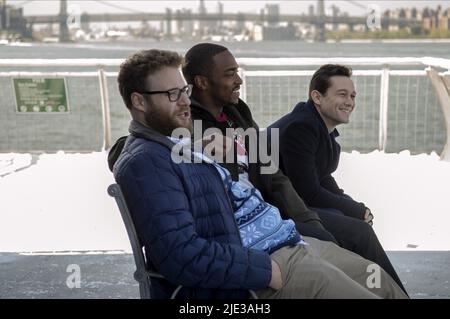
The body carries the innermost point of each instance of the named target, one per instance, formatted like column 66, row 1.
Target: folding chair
column 142, row 274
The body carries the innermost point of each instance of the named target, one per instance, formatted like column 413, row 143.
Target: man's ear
column 138, row 101
column 201, row 82
column 316, row 96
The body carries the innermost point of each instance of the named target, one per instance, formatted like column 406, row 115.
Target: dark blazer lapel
column 323, row 132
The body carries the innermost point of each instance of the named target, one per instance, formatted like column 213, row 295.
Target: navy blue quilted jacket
column 184, row 218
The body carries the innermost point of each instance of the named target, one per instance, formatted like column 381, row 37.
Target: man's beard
column 165, row 126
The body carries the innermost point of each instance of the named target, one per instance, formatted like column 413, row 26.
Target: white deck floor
column 60, row 202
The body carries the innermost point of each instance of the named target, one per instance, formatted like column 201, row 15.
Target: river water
column 270, row 49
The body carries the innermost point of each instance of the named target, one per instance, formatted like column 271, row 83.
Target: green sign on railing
column 40, row 95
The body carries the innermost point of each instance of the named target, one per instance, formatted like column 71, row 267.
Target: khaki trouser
column 324, row 270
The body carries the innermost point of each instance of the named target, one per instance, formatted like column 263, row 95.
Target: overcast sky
column 38, row 7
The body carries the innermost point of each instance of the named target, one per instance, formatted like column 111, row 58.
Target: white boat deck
column 58, row 202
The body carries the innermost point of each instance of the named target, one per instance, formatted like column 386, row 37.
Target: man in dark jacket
column 184, row 211
column 188, row 243
column 309, row 154
column 215, row 102
column 213, row 72
column 308, row 148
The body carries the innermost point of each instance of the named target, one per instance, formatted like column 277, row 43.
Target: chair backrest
column 142, row 274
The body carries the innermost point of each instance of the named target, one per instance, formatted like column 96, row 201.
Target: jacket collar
column 201, row 110
column 138, row 129
column 239, row 112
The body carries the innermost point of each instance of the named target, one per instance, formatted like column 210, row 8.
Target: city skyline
column 41, row 7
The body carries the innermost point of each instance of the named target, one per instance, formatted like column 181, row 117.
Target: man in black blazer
column 308, row 148
column 309, row 154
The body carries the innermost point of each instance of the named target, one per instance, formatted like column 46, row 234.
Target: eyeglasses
column 174, row 94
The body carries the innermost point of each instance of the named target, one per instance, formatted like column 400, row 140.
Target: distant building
column 204, row 27
column 185, row 27
column 257, row 32
column 2, row 14
column 335, row 13
column 168, row 23
column 84, row 21
column 444, row 20
column 429, row 19
column 272, row 14
column 12, row 19
column 272, row 30
column 220, row 12
column 279, row 33
column 311, row 10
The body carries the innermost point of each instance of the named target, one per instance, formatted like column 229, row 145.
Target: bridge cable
column 119, row 7
column 21, row 4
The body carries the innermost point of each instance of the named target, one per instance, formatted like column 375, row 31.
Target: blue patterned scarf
column 260, row 224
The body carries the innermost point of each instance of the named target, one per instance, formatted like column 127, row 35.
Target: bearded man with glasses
column 196, row 224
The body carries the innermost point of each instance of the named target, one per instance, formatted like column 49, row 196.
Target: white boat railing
column 436, row 69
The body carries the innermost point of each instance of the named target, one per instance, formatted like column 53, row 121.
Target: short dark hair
column 321, row 78
column 198, row 60
column 136, row 68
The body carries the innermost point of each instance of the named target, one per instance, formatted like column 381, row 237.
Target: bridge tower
column 168, row 24
column 202, row 12
column 3, row 14
column 320, row 23
column 64, row 35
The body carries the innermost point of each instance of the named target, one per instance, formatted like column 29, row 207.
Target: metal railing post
column 384, row 100
column 442, row 88
column 105, row 109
